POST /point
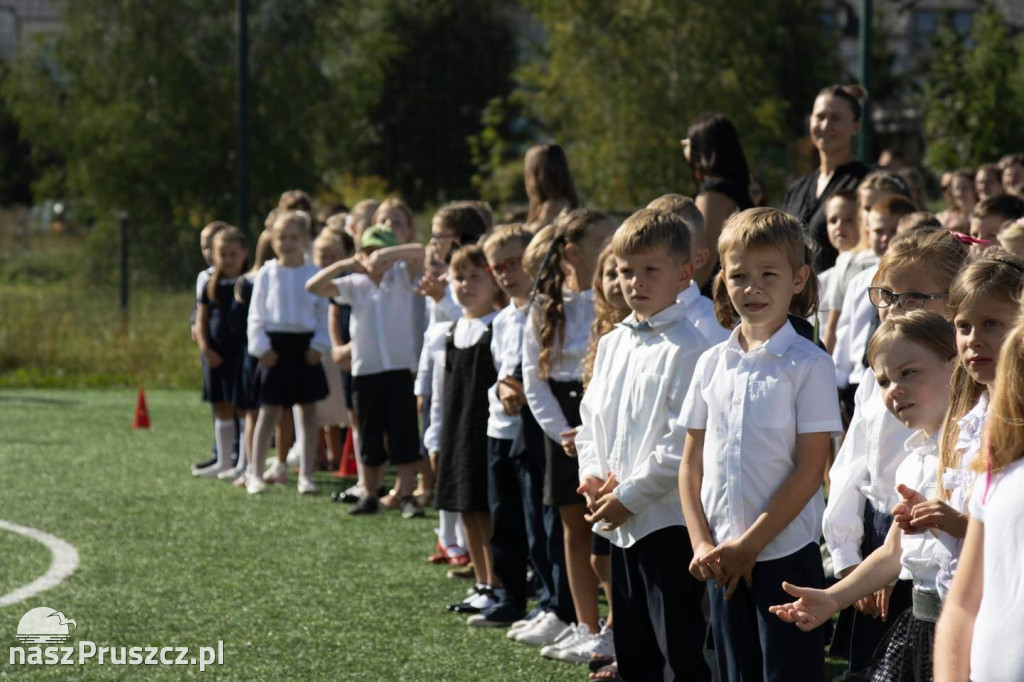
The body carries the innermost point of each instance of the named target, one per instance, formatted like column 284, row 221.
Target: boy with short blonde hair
column 629, row 464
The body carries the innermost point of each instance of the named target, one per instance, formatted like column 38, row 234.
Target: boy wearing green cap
column 379, row 288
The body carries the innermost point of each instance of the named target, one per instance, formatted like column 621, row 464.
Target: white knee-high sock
column 447, row 534
column 460, row 532
column 243, row 451
column 225, row 436
column 356, row 447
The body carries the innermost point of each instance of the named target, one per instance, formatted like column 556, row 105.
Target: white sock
column 225, row 436
column 447, row 534
column 460, row 532
column 356, row 447
column 243, row 454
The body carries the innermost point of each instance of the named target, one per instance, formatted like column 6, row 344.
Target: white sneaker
column 583, row 651
column 230, row 474
column 546, row 631
column 254, row 485
column 579, row 635
column 212, row 471
column 522, row 625
column 306, row 485
column 276, row 473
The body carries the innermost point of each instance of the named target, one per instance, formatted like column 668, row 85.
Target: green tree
column 973, row 95
column 617, row 84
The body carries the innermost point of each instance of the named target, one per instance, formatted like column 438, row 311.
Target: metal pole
column 866, row 39
column 122, row 218
column 243, row 115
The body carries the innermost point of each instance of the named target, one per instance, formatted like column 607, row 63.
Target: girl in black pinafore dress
column 459, row 413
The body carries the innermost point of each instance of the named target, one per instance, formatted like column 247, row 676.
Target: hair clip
column 968, row 240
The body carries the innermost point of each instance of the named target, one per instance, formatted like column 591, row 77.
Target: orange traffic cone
column 141, row 413
column 348, row 458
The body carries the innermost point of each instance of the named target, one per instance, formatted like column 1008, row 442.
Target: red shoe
column 460, row 558
column 441, row 557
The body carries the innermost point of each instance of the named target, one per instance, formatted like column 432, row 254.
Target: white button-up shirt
column 640, row 380
column 507, row 345
column 383, row 338
column 701, row 313
column 853, row 329
column 865, row 469
column 467, row 333
column 752, row 405
column 917, row 471
column 280, row 303
column 566, row 361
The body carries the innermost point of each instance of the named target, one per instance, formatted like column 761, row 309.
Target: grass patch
column 22, row 557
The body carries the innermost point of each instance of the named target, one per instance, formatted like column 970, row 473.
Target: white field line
column 65, row 562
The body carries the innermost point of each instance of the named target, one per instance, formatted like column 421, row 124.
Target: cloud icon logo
column 44, row 626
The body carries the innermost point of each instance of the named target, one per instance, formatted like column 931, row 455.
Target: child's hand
column 512, row 395
column 213, row 358
column 432, row 286
column 902, row 512
column 730, row 562
column 194, row 333
column 867, row 605
column 938, row 514
column 269, row 359
column 882, row 602
column 811, row 609
column 312, row 356
column 569, row 442
column 343, row 356
column 361, row 263
column 610, row 510
column 590, row 490
column 697, row 569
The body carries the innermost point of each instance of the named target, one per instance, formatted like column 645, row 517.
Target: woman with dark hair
column 834, row 124
column 720, row 172
column 549, row 184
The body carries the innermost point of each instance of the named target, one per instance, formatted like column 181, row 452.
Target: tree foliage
column 617, row 83
column 973, row 95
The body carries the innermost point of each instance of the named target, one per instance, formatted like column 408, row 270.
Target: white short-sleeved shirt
column 996, row 651
column 507, row 348
column 854, row 328
column 917, row 471
column 467, row 333
column 382, row 322
column 280, row 303
column 752, row 405
column 701, row 313
column 566, row 361
column 959, row 482
column 640, row 380
column 865, row 469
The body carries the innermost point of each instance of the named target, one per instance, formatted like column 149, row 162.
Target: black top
column 801, row 202
column 737, row 191
column 226, row 335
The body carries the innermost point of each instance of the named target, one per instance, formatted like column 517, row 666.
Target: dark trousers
column 753, row 644
column 514, row 492
column 659, row 623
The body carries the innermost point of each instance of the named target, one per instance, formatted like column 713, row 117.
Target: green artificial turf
column 294, row 587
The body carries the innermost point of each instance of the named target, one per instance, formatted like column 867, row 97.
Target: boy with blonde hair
column 629, row 465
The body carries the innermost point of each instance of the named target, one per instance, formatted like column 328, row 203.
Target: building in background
column 22, row 20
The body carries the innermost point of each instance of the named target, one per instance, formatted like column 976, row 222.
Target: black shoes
column 367, row 505
column 410, row 508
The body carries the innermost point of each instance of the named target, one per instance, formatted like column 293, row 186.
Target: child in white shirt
column 912, row 357
column 629, row 462
column 759, row 417
column 384, row 359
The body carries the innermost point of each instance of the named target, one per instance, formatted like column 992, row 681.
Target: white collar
column 778, row 344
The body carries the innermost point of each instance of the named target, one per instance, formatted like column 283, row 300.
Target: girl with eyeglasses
column 914, row 274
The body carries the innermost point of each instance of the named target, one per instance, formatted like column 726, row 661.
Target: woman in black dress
column 834, row 124
column 720, row 172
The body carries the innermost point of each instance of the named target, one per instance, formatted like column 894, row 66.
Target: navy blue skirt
column 248, row 399
column 223, row 384
column 291, row 381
